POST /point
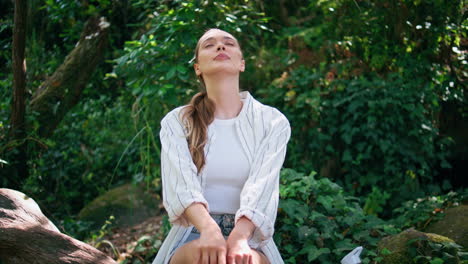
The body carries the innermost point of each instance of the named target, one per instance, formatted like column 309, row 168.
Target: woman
column 220, row 161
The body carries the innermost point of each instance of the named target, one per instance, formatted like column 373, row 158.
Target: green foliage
column 420, row 212
column 298, row 96
column 75, row 228
column 67, row 18
column 386, row 127
column 318, row 223
column 54, row 33
column 425, row 251
column 6, row 77
column 368, row 128
column 364, row 98
column 4, row 123
column 375, row 201
column 97, row 237
column 6, row 29
column 358, row 113
column 170, row 41
column 145, row 248
column 95, row 157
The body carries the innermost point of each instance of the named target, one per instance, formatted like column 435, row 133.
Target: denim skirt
column 224, row 221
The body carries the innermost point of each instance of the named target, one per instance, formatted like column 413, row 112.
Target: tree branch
column 60, row 92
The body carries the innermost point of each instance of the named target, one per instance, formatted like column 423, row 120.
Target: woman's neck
column 225, row 94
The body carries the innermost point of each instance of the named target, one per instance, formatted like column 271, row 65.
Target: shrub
column 364, row 132
column 425, row 251
column 420, row 212
column 317, row 223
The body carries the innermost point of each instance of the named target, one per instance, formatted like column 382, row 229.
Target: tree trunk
column 59, row 93
column 18, row 106
column 27, row 236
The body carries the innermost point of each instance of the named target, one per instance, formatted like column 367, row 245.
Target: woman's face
column 218, row 52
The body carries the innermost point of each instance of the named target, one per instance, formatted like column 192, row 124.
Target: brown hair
column 197, row 115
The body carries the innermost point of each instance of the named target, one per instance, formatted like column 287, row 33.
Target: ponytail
column 197, row 115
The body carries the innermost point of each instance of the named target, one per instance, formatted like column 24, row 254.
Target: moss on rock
column 454, row 225
column 129, row 204
column 394, row 249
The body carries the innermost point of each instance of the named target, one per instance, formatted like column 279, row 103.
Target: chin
column 222, row 70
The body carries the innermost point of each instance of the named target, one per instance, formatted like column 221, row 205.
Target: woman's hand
column 239, row 251
column 212, row 246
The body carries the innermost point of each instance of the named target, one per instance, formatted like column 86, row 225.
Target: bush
column 364, row 130
column 425, row 251
column 107, row 144
column 419, row 213
column 364, row 99
column 317, row 223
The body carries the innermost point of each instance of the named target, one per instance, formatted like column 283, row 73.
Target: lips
column 222, row 56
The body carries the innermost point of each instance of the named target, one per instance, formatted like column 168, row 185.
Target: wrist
column 209, row 227
column 239, row 234
column 243, row 229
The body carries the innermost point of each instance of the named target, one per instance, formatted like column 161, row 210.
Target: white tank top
column 226, row 170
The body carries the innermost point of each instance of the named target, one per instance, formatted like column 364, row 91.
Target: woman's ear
column 242, row 68
column 196, row 67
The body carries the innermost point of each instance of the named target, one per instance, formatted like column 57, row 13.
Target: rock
column 398, row 248
column 28, row 236
column 454, row 225
column 28, row 209
column 129, row 204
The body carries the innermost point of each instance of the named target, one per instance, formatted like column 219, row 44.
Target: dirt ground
column 133, row 242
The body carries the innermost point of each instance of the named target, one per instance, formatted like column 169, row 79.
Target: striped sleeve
column 260, row 194
column 180, row 183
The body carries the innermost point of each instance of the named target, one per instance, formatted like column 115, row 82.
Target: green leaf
column 437, row 261
column 326, row 201
column 171, row 73
column 385, row 251
column 314, row 253
column 347, row 156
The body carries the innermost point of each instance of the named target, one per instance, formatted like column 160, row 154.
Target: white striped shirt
column 264, row 133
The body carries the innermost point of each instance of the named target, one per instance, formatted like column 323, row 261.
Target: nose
column 221, row 47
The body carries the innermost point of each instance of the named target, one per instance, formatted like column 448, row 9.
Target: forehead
column 215, row 33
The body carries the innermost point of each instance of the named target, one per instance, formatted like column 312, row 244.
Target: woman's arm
column 180, row 183
column 260, row 194
column 211, row 244
column 237, row 243
column 197, row 215
column 243, row 229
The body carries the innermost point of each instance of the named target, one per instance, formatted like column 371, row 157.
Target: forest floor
column 122, row 243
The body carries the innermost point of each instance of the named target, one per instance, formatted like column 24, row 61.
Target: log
column 61, row 91
column 28, row 236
